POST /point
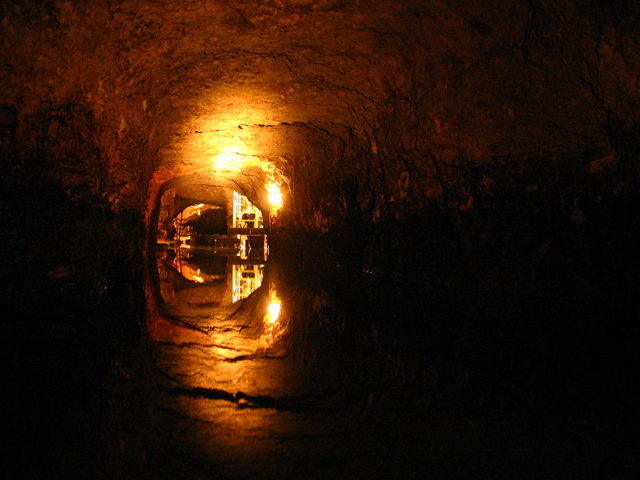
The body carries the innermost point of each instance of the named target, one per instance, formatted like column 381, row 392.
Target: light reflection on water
column 249, row 386
column 218, row 345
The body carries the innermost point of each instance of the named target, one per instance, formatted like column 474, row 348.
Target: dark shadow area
column 210, row 222
column 402, row 371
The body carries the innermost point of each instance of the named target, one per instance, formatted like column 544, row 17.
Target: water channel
column 261, row 363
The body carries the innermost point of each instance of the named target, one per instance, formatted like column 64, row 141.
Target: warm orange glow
column 274, row 195
column 227, row 161
column 233, row 159
column 221, row 141
column 273, row 310
column 188, row 271
column 273, row 328
column 190, row 212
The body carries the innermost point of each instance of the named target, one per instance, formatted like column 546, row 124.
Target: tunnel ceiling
column 387, row 97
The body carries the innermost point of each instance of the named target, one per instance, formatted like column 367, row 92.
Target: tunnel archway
column 456, row 235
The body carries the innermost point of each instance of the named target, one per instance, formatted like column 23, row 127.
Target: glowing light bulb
column 273, row 311
column 220, row 162
column 274, row 195
column 225, row 161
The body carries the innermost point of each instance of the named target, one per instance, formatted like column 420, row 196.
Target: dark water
column 333, row 371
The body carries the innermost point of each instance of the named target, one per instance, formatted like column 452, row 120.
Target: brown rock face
column 485, row 146
column 397, row 98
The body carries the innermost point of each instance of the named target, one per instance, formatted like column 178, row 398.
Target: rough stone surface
column 427, row 146
column 409, row 91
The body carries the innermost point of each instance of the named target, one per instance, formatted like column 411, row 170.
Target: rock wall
column 434, row 155
column 497, row 116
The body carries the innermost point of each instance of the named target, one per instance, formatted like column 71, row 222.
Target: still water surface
column 311, row 368
column 263, row 379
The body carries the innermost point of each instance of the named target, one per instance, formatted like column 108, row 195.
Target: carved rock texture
column 401, row 98
column 488, row 145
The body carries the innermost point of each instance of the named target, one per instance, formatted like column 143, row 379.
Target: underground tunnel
column 320, row 239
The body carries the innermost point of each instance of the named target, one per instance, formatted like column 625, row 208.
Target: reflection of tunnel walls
column 179, row 295
column 238, row 396
column 202, row 306
column 195, row 298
